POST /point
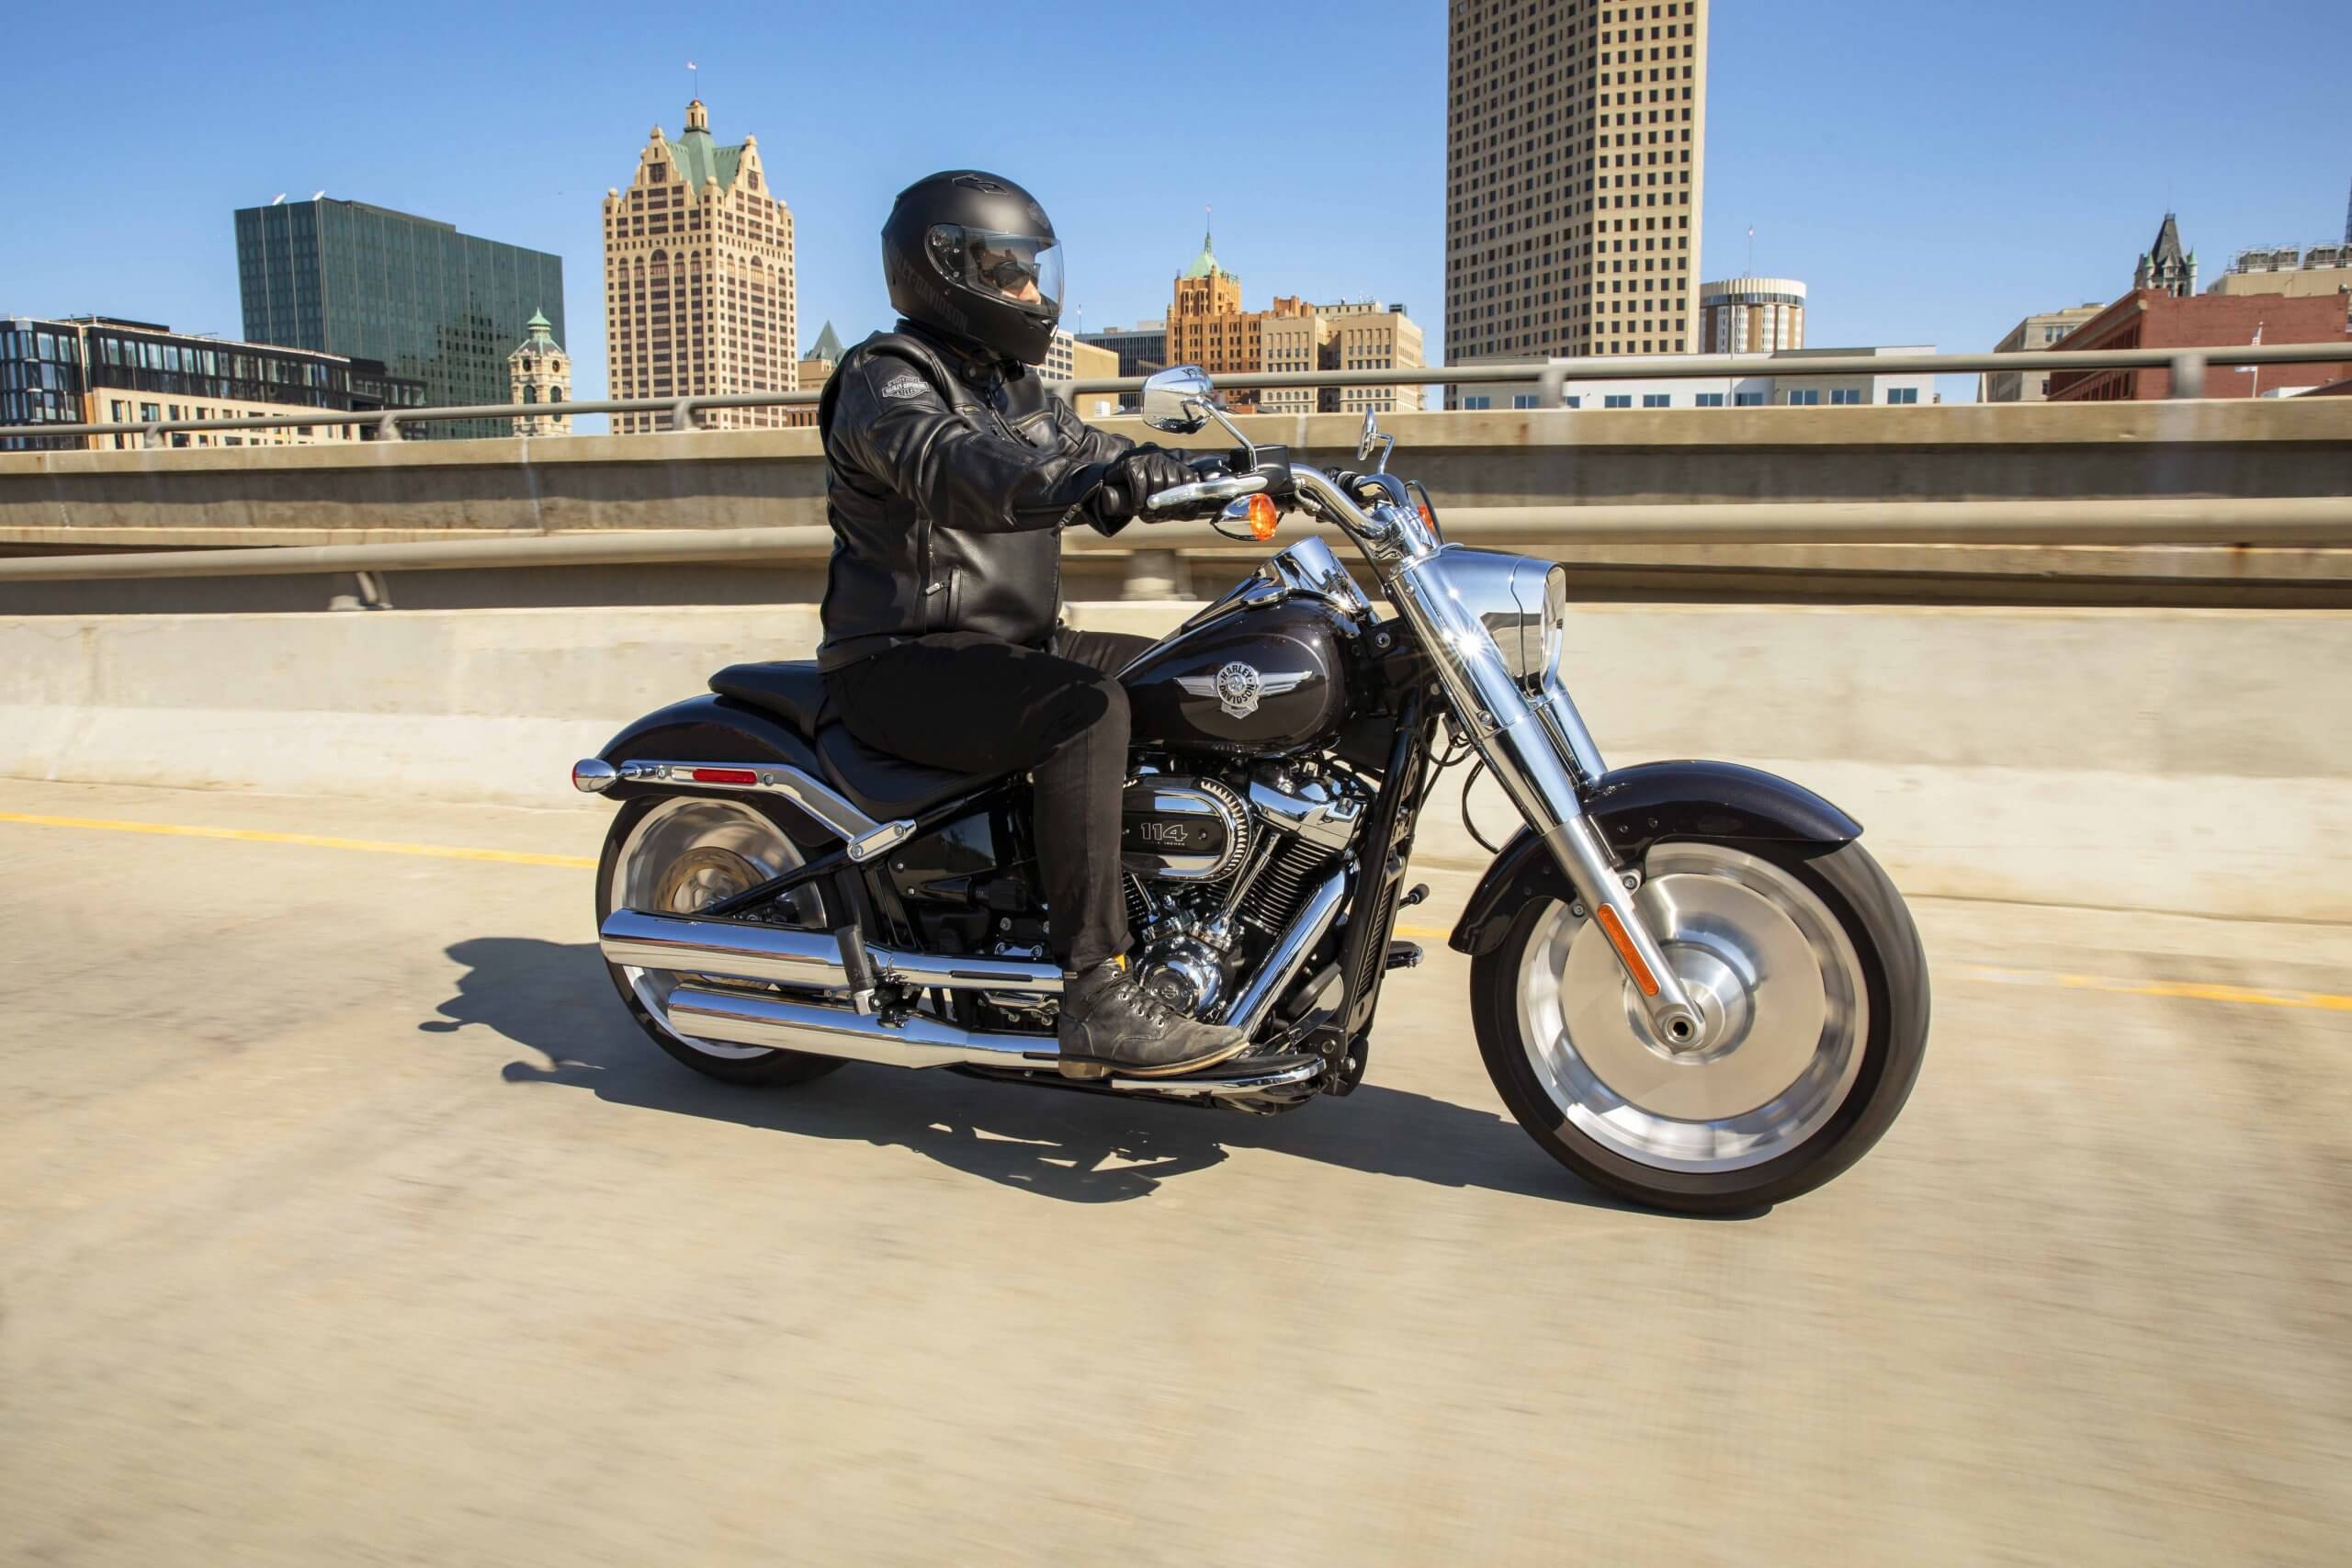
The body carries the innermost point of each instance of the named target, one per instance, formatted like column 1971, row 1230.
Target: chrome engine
column 1218, row 871
column 1183, row 829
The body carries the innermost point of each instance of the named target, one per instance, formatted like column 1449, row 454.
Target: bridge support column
column 1154, row 574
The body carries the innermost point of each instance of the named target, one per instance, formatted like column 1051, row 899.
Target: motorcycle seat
column 793, row 689
column 885, row 787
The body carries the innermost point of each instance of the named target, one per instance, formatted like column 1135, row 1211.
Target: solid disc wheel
column 678, row 854
column 1809, row 975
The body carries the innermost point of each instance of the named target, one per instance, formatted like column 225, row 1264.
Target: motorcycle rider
column 950, row 473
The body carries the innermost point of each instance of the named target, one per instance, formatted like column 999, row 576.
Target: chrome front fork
column 1543, row 756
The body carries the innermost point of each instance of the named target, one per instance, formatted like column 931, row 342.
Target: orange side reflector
column 1264, row 517
column 1614, row 929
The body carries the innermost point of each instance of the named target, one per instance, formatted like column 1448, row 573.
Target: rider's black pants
column 968, row 702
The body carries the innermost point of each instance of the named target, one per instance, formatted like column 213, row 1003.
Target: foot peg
column 1421, row 891
column 1404, row 956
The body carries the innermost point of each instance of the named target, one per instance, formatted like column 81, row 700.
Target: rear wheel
column 1810, row 974
column 677, row 854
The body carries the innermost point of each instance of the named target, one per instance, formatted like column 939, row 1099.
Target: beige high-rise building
column 1368, row 335
column 699, row 294
column 1293, row 343
column 1576, row 140
column 1362, row 334
column 540, row 372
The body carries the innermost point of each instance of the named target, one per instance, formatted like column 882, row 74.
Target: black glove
column 1134, row 477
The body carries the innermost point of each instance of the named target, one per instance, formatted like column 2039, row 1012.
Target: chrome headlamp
column 1522, row 602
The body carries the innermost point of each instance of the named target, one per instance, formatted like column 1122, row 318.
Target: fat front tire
column 678, row 853
column 1810, row 973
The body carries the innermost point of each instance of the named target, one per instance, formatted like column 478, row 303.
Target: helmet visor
column 1024, row 269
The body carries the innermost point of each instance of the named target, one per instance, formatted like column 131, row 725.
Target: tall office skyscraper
column 366, row 282
column 699, row 294
column 1575, row 142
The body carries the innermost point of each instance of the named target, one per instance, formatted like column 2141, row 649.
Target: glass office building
column 40, row 382
column 108, row 370
column 429, row 303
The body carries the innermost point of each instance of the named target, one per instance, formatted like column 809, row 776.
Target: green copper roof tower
column 1205, row 263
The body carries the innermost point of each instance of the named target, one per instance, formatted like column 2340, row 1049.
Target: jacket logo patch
column 908, row 386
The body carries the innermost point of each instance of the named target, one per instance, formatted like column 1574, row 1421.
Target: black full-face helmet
column 973, row 255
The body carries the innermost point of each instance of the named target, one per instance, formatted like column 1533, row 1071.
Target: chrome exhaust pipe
column 918, row 1040
column 783, row 956
column 912, row 1041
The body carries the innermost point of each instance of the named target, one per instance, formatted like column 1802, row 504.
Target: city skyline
column 2033, row 194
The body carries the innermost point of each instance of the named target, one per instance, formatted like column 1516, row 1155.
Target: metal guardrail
column 1550, row 377
column 2311, row 520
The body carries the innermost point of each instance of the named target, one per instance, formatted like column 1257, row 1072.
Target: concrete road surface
column 345, row 1218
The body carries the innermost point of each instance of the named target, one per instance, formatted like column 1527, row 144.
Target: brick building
column 1207, row 327
column 2150, row 318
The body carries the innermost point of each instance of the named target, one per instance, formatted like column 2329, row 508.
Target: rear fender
column 710, row 729
column 1636, row 808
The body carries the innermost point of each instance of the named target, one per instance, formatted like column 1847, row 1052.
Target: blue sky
column 1933, row 172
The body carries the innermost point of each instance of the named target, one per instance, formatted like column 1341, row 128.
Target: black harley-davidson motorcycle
column 1690, row 983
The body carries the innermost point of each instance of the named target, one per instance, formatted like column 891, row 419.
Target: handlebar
column 1387, row 523
column 1230, row 487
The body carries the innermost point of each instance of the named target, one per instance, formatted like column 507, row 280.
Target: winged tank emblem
column 1238, row 686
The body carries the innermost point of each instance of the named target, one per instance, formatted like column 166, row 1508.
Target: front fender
column 1636, row 808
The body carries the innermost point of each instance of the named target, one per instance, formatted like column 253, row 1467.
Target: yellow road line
column 2183, row 990
column 2188, row 990
column 309, row 840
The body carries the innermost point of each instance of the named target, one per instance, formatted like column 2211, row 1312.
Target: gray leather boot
column 1108, row 1024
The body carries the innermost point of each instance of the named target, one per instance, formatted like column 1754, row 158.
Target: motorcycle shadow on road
column 554, row 998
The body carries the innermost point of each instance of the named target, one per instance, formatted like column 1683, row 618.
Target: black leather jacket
column 948, row 480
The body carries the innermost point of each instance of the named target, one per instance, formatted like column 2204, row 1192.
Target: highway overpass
column 343, row 1212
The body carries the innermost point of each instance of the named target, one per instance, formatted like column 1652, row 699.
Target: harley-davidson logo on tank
column 1268, row 678
column 1238, row 686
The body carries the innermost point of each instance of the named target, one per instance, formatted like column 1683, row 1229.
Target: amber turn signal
column 1263, row 517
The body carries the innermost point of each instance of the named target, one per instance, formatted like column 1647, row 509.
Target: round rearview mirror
column 1177, row 400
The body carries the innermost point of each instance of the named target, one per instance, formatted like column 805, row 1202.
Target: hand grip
column 1202, row 492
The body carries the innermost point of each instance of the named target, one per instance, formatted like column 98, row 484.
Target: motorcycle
column 1690, row 982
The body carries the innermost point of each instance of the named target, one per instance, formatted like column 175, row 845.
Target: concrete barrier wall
column 383, row 492
column 2192, row 761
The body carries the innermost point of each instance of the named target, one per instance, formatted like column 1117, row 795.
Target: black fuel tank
column 1266, row 678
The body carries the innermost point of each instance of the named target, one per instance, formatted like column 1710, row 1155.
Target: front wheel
column 1809, row 973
